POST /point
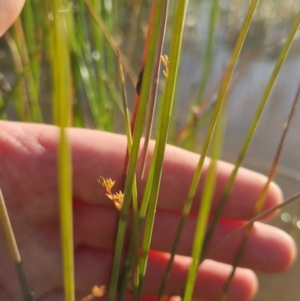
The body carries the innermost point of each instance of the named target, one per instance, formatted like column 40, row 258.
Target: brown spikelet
column 116, row 198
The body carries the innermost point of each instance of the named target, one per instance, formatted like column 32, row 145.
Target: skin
column 28, row 179
column 9, row 11
column 29, row 185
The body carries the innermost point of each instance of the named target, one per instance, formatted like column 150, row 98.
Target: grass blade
column 260, row 202
column 153, row 91
column 28, row 74
column 253, row 125
column 112, row 42
column 220, row 100
column 164, row 122
column 21, row 104
column 134, row 154
column 27, row 295
column 204, row 210
column 133, row 254
column 258, row 217
column 62, row 118
column 209, row 50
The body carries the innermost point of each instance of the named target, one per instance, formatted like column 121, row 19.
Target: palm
column 29, row 184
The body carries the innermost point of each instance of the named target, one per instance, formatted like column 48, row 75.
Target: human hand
column 9, row 11
column 28, row 179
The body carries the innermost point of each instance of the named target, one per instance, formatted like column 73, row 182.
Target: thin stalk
column 135, row 239
column 79, row 119
column 82, row 49
column 60, row 45
column 134, row 154
column 106, row 14
column 206, row 67
column 87, row 81
column 21, row 105
column 253, row 126
column 208, row 50
column 163, row 128
column 199, row 112
column 249, row 223
column 113, row 44
column 261, row 199
column 220, row 100
column 260, row 202
column 101, row 89
column 258, row 217
column 66, row 218
column 28, row 75
column 14, row 251
column 204, row 209
column 113, row 90
column 141, row 74
column 31, row 32
column 153, row 91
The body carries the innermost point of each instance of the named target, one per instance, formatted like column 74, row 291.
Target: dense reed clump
column 95, row 63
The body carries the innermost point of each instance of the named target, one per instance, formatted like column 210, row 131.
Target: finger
column 264, row 240
column 31, row 149
column 28, row 173
column 95, row 264
column 92, row 267
column 210, row 279
column 178, row 170
column 9, row 11
column 269, row 249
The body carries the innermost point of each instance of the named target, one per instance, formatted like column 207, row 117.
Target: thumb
column 9, row 11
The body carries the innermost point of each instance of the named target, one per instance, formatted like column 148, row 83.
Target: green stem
column 27, row 295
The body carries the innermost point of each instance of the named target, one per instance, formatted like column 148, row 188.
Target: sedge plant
column 90, row 79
